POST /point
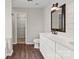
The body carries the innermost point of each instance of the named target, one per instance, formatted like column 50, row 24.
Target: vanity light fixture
column 55, row 7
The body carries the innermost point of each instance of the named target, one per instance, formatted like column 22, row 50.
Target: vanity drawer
column 64, row 52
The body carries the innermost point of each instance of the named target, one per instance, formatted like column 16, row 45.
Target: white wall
column 69, row 19
column 34, row 22
column 8, row 21
column 47, row 19
column 14, row 27
column 8, row 28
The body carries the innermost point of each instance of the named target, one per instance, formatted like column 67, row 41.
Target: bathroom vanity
column 53, row 47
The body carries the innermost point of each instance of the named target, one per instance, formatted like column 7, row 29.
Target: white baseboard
column 14, row 43
column 29, row 43
column 9, row 54
column 8, row 47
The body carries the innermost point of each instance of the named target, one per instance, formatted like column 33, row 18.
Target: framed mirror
column 58, row 19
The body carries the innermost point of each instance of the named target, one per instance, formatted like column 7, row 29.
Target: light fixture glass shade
column 58, row 8
column 53, row 8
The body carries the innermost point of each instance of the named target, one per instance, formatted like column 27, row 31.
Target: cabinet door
column 50, row 48
column 47, row 48
column 64, row 52
column 50, row 51
column 42, row 46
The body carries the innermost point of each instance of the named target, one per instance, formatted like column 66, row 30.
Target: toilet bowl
column 36, row 43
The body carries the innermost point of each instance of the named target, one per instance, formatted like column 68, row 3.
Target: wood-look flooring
column 20, row 40
column 23, row 51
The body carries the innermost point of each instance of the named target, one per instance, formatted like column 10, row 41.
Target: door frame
column 25, row 26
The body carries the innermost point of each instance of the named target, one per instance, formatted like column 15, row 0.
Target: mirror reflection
column 58, row 19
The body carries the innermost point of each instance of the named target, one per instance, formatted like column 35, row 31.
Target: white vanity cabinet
column 47, row 48
column 53, row 49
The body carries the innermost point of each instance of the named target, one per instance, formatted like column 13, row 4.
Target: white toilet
column 36, row 43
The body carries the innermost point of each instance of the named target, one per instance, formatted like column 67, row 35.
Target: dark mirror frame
column 64, row 14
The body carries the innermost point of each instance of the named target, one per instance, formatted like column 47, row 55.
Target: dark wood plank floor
column 23, row 51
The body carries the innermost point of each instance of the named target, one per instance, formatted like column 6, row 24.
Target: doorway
column 21, row 28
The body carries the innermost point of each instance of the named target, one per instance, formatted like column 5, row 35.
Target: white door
column 21, row 27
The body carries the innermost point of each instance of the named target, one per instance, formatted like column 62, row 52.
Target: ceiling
column 30, row 4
